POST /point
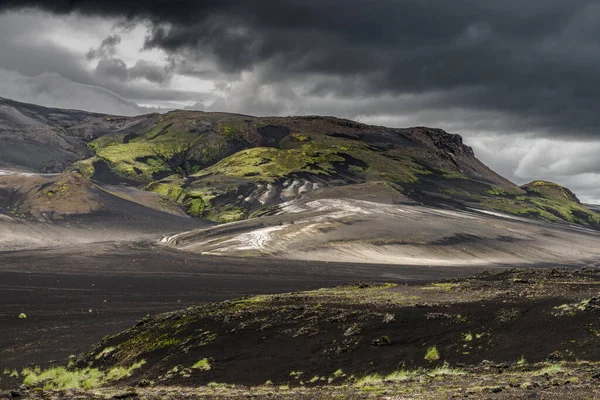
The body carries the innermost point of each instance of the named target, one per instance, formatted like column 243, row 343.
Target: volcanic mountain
column 309, row 187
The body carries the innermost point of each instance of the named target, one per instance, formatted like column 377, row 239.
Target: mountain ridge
column 227, row 167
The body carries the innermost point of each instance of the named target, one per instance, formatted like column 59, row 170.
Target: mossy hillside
column 172, row 188
column 198, row 202
column 231, row 158
column 215, row 191
column 544, row 209
column 223, row 187
column 551, row 190
column 226, row 214
column 307, row 149
column 139, row 159
column 320, row 155
column 268, row 164
column 135, row 155
column 542, row 200
column 238, row 129
column 337, row 159
column 139, row 156
column 136, row 159
column 328, row 158
column 194, row 202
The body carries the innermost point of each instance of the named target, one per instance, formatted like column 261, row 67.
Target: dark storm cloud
column 149, row 71
column 111, row 67
column 32, row 58
column 108, row 48
column 117, row 69
column 534, row 59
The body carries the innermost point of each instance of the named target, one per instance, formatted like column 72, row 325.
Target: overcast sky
column 518, row 79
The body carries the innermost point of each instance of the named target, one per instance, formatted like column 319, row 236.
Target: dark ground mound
column 121, row 283
column 363, row 329
column 512, row 334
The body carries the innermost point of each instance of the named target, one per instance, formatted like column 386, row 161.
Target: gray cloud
column 115, row 68
column 149, row 71
column 112, row 68
column 22, row 50
column 53, row 90
column 535, row 59
column 107, row 49
column 517, row 79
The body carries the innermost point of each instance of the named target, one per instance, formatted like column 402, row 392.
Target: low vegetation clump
column 550, row 369
column 432, row 354
column 573, row 381
column 442, row 286
column 572, row 308
column 11, row 373
column 297, row 137
column 105, row 352
column 202, row 365
column 68, row 378
column 407, row 375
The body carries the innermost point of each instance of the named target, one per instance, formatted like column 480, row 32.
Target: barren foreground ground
column 503, row 334
column 74, row 296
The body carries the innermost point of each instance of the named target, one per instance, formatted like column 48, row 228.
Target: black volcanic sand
column 512, row 334
column 75, row 296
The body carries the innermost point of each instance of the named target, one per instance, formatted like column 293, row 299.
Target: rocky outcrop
column 440, row 139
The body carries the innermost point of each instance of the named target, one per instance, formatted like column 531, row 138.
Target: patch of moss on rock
column 84, row 167
column 226, row 214
column 171, row 190
column 196, row 206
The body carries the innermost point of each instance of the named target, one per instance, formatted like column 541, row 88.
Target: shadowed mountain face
column 227, row 167
column 41, row 139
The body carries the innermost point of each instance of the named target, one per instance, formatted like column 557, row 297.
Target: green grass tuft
column 371, row 379
column 62, row 378
column 550, row 370
column 432, row 354
column 202, row 365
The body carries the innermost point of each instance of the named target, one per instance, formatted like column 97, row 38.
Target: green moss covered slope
column 228, row 167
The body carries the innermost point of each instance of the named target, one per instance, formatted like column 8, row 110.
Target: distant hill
column 229, row 167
